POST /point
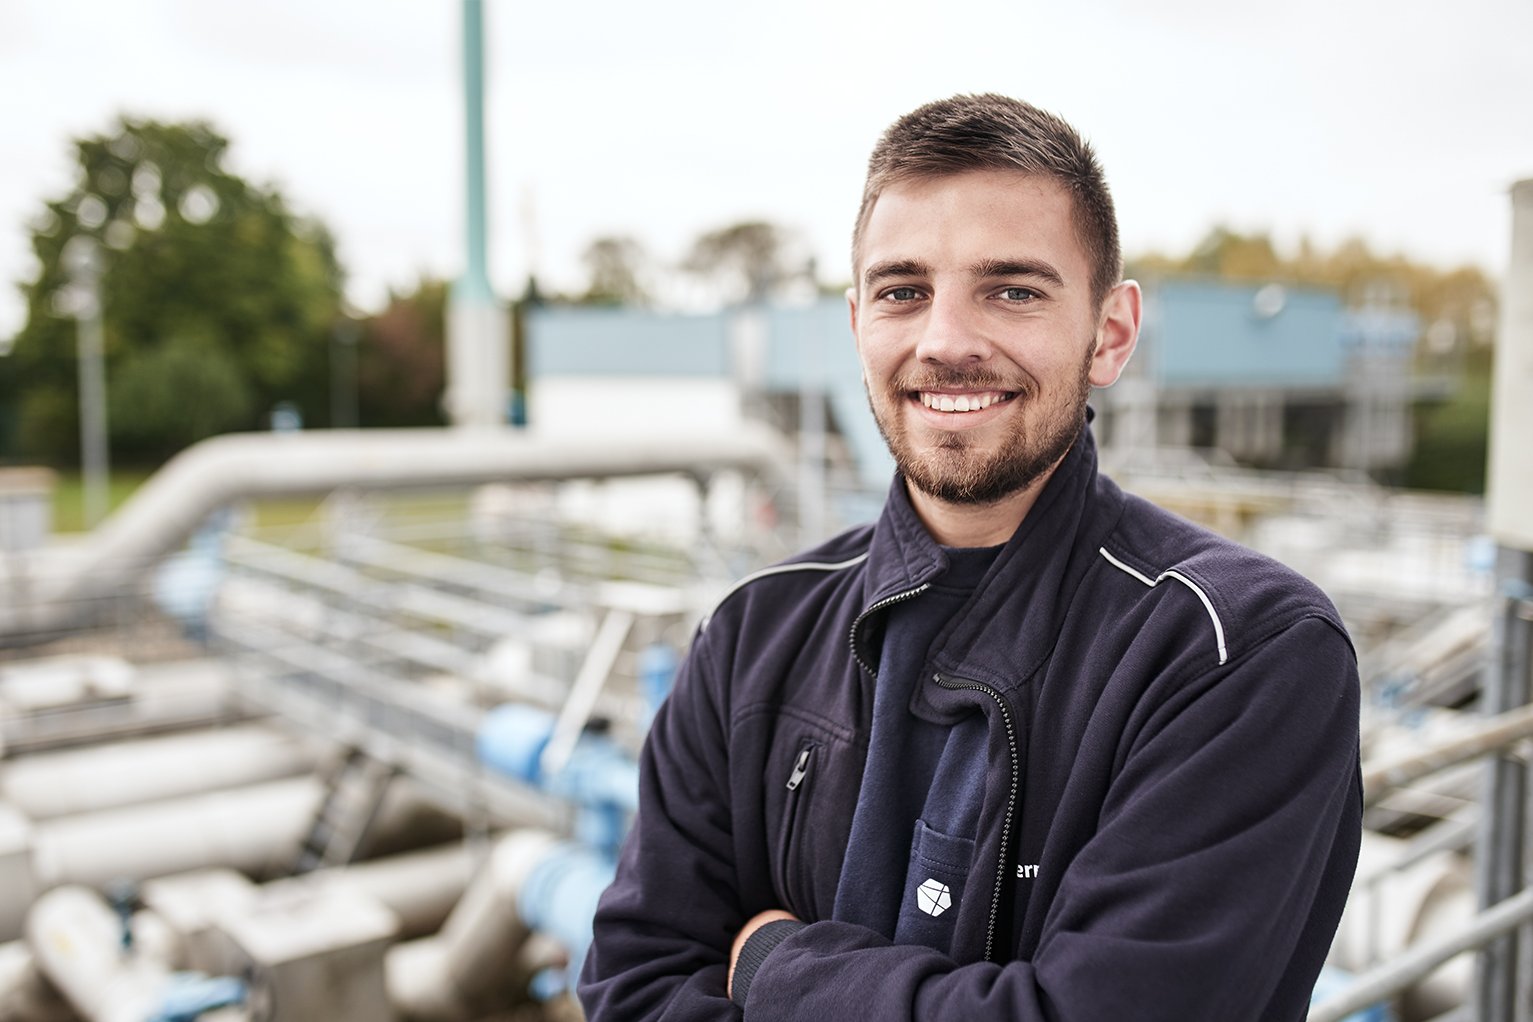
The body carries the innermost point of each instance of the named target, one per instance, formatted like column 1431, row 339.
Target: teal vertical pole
column 474, row 285
column 478, row 333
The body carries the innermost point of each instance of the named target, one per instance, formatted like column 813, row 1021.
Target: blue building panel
column 576, row 341
column 1196, row 334
column 812, row 348
column 1211, row 334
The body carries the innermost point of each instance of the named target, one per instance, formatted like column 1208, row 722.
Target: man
column 1028, row 748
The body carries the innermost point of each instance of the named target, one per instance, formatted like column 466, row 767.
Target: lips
column 969, row 401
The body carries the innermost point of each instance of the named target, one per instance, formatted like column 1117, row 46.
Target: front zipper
column 963, row 684
column 880, row 605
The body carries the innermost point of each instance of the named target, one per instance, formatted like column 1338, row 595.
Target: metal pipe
column 218, row 471
column 1496, row 732
column 76, row 941
column 420, row 888
column 1418, row 962
column 25, row 995
column 161, row 697
column 249, row 830
column 109, row 776
column 1499, row 851
column 464, row 970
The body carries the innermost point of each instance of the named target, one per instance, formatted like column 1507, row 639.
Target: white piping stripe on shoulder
column 1208, row 604
column 1147, row 580
column 779, row 569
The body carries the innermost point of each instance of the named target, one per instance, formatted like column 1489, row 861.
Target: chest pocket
column 812, row 775
column 790, row 866
column 935, row 885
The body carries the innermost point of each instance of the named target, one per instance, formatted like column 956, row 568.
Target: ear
column 851, row 308
column 1117, row 333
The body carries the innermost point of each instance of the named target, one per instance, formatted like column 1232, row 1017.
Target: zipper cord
column 880, row 605
column 963, row 684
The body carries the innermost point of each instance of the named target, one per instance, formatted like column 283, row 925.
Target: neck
column 972, row 525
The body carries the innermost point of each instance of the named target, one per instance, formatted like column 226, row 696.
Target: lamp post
column 82, row 260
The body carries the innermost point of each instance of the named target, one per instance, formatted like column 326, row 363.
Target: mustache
column 946, row 377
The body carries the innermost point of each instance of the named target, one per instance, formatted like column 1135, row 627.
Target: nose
column 952, row 333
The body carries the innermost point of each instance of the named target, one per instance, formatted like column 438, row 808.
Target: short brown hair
column 991, row 132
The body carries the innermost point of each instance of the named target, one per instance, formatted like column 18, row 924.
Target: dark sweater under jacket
column 1172, row 799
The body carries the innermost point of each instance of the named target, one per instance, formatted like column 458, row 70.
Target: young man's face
column 977, row 333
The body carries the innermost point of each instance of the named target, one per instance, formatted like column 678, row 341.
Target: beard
column 957, row 469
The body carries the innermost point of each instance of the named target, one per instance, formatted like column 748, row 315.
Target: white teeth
column 961, row 403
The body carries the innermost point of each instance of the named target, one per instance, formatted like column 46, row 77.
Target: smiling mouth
column 971, row 402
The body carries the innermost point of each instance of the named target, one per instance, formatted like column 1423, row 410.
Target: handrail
column 1493, row 733
column 1418, row 962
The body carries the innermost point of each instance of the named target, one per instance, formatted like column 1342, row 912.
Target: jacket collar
column 1008, row 627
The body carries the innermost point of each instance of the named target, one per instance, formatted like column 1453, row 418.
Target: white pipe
column 76, row 942
column 218, row 471
column 251, row 830
column 420, row 888
column 50, row 785
column 159, row 697
column 465, row 969
column 25, row 995
column 255, row 830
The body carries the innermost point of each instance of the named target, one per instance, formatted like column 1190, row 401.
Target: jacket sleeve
column 663, row 929
column 1216, row 875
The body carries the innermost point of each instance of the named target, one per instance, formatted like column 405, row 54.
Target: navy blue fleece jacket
column 1172, row 792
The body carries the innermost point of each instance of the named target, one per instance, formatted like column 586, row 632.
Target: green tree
column 749, row 261
column 1452, row 436
column 177, row 393
column 199, row 265
column 618, row 267
column 401, row 364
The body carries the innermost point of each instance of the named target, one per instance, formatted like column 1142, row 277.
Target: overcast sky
column 1400, row 121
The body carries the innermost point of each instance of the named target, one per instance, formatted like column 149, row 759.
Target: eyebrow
column 985, row 269
column 895, row 268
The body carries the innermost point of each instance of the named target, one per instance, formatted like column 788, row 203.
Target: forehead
column 958, row 220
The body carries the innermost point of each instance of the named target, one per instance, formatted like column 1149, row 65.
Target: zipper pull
column 800, row 768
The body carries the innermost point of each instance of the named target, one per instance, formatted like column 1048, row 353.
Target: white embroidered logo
column 933, row 897
column 1027, row 872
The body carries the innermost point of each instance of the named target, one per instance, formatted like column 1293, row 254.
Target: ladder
column 354, row 787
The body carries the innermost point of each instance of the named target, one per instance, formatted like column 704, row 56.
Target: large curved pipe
column 466, row 968
column 76, row 942
column 216, row 472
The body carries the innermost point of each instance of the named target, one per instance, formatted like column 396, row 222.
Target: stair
column 354, row 789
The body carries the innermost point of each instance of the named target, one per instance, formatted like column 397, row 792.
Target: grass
column 69, row 496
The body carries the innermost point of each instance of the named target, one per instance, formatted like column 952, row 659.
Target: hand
column 756, row 922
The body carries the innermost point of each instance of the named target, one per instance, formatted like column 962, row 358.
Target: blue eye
column 1019, row 294
column 902, row 294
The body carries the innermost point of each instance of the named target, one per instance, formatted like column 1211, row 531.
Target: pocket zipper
column 800, row 768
